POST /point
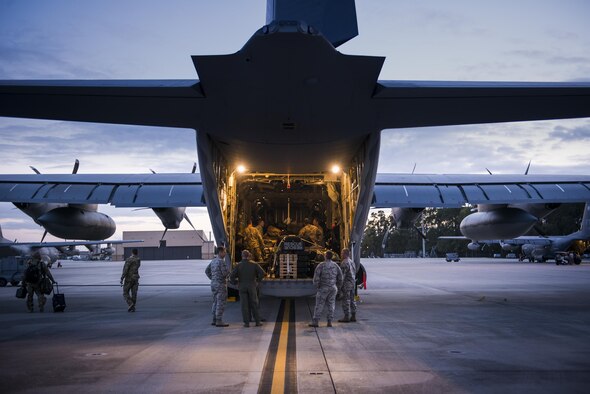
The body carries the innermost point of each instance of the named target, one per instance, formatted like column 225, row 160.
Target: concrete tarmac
column 425, row 326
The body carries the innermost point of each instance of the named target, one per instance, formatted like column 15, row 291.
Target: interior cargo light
column 335, row 169
column 241, row 169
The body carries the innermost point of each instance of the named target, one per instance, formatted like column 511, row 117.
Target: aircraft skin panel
column 168, row 103
column 439, row 103
column 121, row 190
column 420, row 190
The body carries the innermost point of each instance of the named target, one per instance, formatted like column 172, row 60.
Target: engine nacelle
column 501, row 223
column 473, row 246
column 170, row 217
column 36, row 210
column 508, row 247
column 74, row 223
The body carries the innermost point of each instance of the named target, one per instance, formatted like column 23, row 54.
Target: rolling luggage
column 59, row 300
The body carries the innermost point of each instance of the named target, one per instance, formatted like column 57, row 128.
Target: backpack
column 32, row 274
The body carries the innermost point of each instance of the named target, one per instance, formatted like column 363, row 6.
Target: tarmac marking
column 280, row 368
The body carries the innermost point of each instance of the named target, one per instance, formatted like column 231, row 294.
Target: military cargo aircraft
column 50, row 250
column 321, row 111
column 537, row 248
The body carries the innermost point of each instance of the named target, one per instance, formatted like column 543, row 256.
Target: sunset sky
column 501, row 40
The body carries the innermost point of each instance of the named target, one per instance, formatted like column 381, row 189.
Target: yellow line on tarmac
column 280, row 369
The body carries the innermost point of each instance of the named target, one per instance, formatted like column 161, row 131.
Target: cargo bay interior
column 285, row 203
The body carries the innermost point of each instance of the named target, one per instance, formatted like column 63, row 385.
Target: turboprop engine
column 73, row 222
column 498, row 223
column 473, row 246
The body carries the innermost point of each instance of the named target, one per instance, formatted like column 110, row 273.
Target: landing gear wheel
column 3, row 282
column 14, row 282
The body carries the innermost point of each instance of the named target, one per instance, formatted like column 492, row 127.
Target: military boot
column 353, row 317
column 329, row 323
column 214, row 322
column 345, row 319
column 221, row 323
column 314, row 323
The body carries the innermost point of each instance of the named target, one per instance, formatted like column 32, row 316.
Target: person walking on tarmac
column 130, row 279
column 328, row 279
column 349, row 283
column 218, row 272
column 33, row 277
column 248, row 274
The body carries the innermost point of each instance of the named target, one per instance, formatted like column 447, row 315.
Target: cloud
column 574, row 134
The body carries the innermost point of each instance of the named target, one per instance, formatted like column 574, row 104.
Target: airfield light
column 335, row 169
column 241, row 169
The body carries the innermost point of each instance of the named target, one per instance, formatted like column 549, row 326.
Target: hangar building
column 177, row 245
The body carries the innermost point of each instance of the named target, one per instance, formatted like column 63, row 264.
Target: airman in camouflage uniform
column 35, row 288
column 327, row 279
column 349, row 283
column 130, row 276
column 310, row 232
column 218, row 272
column 253, row 242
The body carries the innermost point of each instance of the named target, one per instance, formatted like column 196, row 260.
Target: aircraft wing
column 120, row 190
column 60, row 244
column 453, row 191
column 529, row 240
column 437, row 103
column 172, row 103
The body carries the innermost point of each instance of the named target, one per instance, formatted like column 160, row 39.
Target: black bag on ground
column 21, row 292
column 46, row 286
column 59, row 300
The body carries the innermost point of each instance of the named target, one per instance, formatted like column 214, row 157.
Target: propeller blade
column 163, row 235
column 194, row 168
column 528, row 168
column 414, row 169
column 34, row 169
column 153, row 172
column 185, row 216
column 76, row 166
column 44, row 234
column 489, row 172
column 139, row 209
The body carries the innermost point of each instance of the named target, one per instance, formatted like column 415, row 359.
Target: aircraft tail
column 335, row 19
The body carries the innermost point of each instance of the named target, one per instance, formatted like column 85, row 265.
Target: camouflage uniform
column 348, row 286
column 131, row 277
column 35, row 288
column 218, row 271
column 253, row 242
column 327, row 279
column 311, row 233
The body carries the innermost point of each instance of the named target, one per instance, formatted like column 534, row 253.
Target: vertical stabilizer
column 335, row 19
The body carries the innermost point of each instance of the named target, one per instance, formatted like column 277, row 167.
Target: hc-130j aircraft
column 49, row 250
column 536, row 248
column 288, row 88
